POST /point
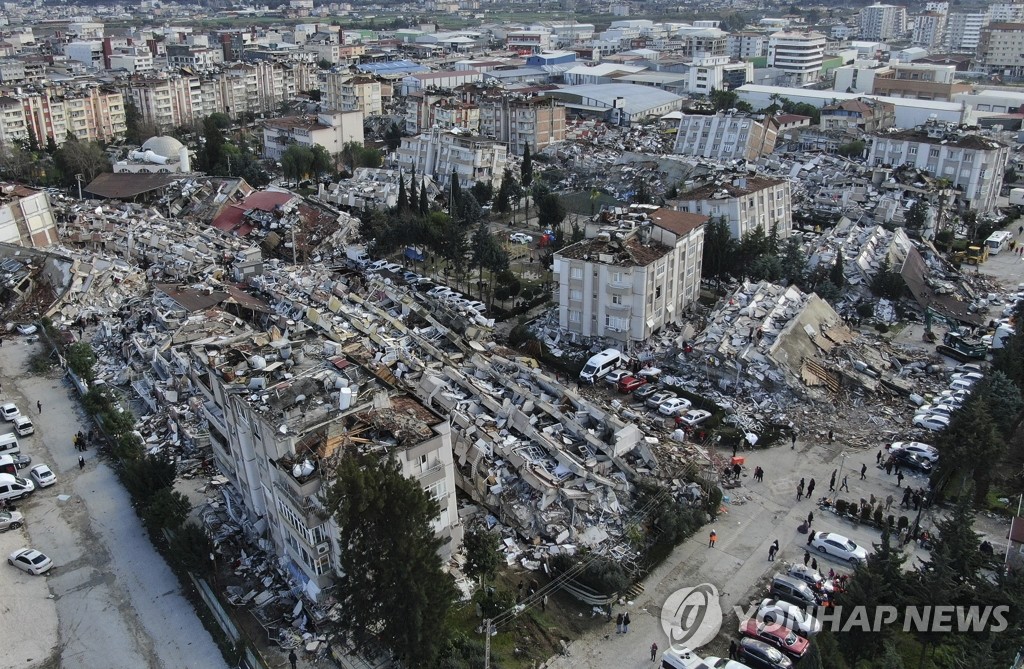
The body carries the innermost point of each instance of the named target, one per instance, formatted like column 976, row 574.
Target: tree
column 82, row 360
column 526, row 178
column 393, row 137
column 550, row 211
column 146, row 476
column 424, row 202
column 917, row 215
column 85, row 158
column 767, row 267
column 51, row 145
column 191, row 548
column 32, row 143
column 887, row 283
column 320, row 160
column 297, row 162
column 454, row 192
column 970, row 448
column 719, row 248
column 1004, row 400
column 507, row 192
column 854, row 149
column 167, row 509
column 393, row 590
column 482, row 191
column 793, row 261
column 214, row 142
column 723, row 100
column 482, row 556
column 403, row 200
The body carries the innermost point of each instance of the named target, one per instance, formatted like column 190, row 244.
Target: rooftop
column 735, row 188
column 679, row 223
column 628, row 252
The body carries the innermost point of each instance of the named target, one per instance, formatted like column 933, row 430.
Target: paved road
column 113, row 602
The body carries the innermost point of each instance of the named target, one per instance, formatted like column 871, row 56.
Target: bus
column 998, row 241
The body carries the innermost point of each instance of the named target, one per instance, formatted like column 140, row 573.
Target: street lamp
column 841, row 465
column 79, row 178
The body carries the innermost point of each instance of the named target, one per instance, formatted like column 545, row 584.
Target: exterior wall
column 333, row 132
column 929, row 29
column 801, row 54
column 882, row 22
column 723, row 137
column 28, row 221
column 766, row 208
column 963, row 32
column 438, row 153
column 517, row 124
column 1001, row 49
column 90, row 114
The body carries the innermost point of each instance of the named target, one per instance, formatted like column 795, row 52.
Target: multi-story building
column 929, row 29
column 438, row 153
column 921, row 81
column 132, row 59
column 700, row 42
column 533, row 40
column 972, row 164
column 963, row 31
column 92, row 113
column 724, row 136
column 452, row 114
column 746, row 203
column 571, row 34
column 89, row 53
column 1006, row 12
column 798, row 54
column 883, row 22
column 858, row 116
column 345, row 92
column 278, row 447
column 1001, row 49
column 26, row 218
column 639, row 275
column 715, row 73
column 747, row 45
column 331, row 130
column 195, row 58
column 13, row 126
column 519, row 122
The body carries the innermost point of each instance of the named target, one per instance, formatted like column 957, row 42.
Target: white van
column 23, row 426
column 998, row 241
column 599, row 365
column 9, row 444
column 14, row 487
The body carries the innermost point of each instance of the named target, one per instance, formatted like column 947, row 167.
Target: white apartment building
column 132, row 60
column 89, row 54
column 746, row 203
column 13, row 126
column 345, row 92
column 973, row 164
column 440, row 152
column 929, row 30
column 1006, row 12
column 536, row 122
column 26, row 218
column 799, row 54
column 883, row 22
column 331, row 130
column 940, row 7
column 91, row 113
column 533, row 40
column 1001, row 49
column 724, row 136
column 629, row 282
column 963, row 31
column 747, row 45
column 570, row 34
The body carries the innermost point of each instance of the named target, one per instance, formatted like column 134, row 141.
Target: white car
column 973, row 376
column 674, row 406
column 30, row 560
column 931, row 421
column 477, row 306
column 788, row 615
column 43, row 476
column 953, row 397
column 839, row 546
column 969, row 367
column 946, row 410
column 926, row 451
column 377, row 265
column 393, row 267
column 615, row 376
column 9, row 411
column 659, row 398
column 11, row 520
column 23, row 426
column 520, row 238
column 962, row 384
column 694, row 417
column 26, row 329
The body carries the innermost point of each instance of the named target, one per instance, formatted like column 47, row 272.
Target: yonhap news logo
column 692, row 617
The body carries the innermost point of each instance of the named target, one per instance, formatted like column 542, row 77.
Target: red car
column 630, row 383
column 777, row 636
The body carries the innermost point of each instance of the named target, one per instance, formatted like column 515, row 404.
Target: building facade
column 519, row 122
column 798, row 54
column 963, row 32
column 439, row 153
column 331, row 130
column 343, row 92
column 883, row 22
column 626, row 285
column 1001, row 49
column 929, row 30
column 93, row 113
column 724, row 136
column 858, row 116
column 974, row 165
column 746, row 203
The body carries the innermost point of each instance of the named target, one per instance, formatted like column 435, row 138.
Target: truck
column 357, row 254
column 961, row 347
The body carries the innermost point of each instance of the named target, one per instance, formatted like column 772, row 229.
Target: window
column 617, row 277
column 575, row 294
column 933, row 152
column 657, row 292
column 576, row 273
column 575, row 316
column 616, row 298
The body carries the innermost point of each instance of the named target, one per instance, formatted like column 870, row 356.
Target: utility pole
column 79, row 178
column 487, row 643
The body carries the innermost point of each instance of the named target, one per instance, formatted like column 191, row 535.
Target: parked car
column 971, row 376
column 937, row 410
column 11, row 520
column 43, row 476
column 628, row 384
column 914, row 461
column 969, row 367
column 838, row 546
column 779, row 636
column 931, row 421
column 674, row 406
column 23, row 426
column 644, row 392
column 437, row 291
column 21, row 460
column 26, row 329
column 30, row 560
column 924, row 450
column 787, row 615
column 659, row 398
column 811, row 577
column 520, row 238
column 962, row 384
column 410, row 277
column 759, row 655
column 953, row 396
column 794, row 591
column 693, row 417
column 477, row 306
column 616, row 375
column 9, row 411
column 377, row 265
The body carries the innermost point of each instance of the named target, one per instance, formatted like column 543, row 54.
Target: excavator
column 955, row 343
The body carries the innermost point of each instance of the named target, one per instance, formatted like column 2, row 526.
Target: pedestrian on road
column 800, row 491
column 888, row 502
column 899, row 478
column 736, row 469
column 863, row 472
column 793, row 438
column 733, row 649
column 832, row 481
column 810, row 519
column 810, row 489
column 831, row 437
column 712, row 538
column 917, row 500
column 807, row 558
column 654, row 652
column 625, row 623
column 81, row 462
column 814, row 564
column 293, row 658
column 772, row 550
column 39, row 406
column 810, row 535
column 878, row 458
column 888, row 467
column 845, row 486
column 907, row 492
column 618, row 623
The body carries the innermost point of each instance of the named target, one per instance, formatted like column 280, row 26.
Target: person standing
column 814, row 564
column 81, row 462
column 772, row 550
column 654, row 652
column 807, row 558
column 733, row 649
column 810, row 519
column 39, row 406
column 712, row 538
column 888, row 502
column 625, row 623
column 845, row 486
column 878, row 458
column 810, row 488
column 618, row 623
column 863, row 472
column 831, row 436
column 793, row 438
column 832, row 481
column 899, row 479
column 292, row 658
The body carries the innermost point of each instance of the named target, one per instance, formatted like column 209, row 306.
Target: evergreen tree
column 424, row 204
column 403, row 200
column 455, row 193
column 970, row 449
column 33, row 141
column 720, row 248
column 51, row 145
column 794, row 262
column 527, row 169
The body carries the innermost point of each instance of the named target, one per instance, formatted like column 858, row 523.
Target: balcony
column 309, row 507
